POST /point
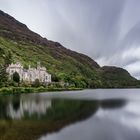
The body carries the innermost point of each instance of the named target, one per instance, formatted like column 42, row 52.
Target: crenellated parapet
column 30, row 74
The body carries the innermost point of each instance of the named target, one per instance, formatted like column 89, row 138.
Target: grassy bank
column 20, row 90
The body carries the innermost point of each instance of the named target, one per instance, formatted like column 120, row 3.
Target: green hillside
column 117, row 77
column 18, row 43
column 63, row 68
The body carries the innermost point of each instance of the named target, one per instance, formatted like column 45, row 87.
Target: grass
column 20, row 90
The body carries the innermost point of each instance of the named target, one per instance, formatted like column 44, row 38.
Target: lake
column 101, row 114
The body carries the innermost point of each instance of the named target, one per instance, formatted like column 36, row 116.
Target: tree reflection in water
column 32, row 116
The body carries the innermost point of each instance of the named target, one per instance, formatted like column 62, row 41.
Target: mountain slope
column 12, row 29
column 117, row 77
column 64, row 64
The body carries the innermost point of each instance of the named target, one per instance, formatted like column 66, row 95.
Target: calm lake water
column 103, row 114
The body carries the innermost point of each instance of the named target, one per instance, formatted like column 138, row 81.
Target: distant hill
column 117, row 77
column 65, row 65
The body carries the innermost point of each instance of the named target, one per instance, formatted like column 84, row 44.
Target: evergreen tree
column 16, row 77
column 36, row 83
column 3, row 66
column 3, row 75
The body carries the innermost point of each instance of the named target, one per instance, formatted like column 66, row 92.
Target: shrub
column 36, row 83
column 16, row 77
column 6, row 90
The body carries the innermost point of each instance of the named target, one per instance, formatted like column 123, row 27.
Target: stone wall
column 30, row 74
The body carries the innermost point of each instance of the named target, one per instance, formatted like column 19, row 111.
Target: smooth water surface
column 103, row 114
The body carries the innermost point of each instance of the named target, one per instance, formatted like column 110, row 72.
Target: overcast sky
column 106, row 30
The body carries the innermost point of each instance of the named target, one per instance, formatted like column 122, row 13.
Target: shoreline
column 27, row 90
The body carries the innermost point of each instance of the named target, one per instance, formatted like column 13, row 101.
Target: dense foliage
column 5, row 60
column 16, row 77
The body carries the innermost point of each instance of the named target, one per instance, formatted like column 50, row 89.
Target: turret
column 29, row 67
column 38, row 65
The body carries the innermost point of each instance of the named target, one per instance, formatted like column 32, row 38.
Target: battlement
column 30, row 74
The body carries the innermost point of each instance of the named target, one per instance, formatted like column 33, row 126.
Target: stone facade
column 30, row 74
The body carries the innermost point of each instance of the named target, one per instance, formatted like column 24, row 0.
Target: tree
column 55, row 78
column 3, row 75
column 6, row 57
column 36, row 83
column 16, row 77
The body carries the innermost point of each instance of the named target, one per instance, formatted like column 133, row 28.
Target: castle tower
column 29, row 67
column 38, row 65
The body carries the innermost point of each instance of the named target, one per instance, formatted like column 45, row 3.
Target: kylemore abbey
column 30, row 74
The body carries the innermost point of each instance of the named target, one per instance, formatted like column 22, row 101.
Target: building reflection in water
column 17, row 109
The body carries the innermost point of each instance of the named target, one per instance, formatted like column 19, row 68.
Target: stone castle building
column 30, row 74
